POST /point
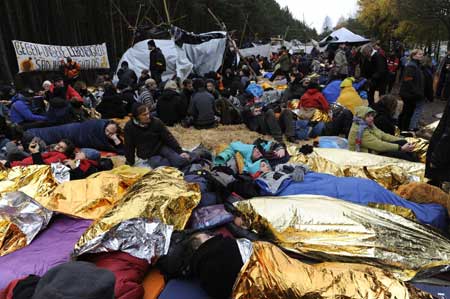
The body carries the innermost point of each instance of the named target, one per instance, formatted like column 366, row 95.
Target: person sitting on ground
column 313, row 98
column 171, row 107
column 145, row 75
column 188, row 91
column 211, row 88
column 202, row 106
column 63, row 150
column 148, row 94
column 149, row 139
column 364, row 136
column 100, row 134
column 89, row 99
column 386, row 109
column 112, row 104
column 21, row 114
column 245, row 77
column 127, row 77
column 349, row 97
column 60, row 90
column 128, row 95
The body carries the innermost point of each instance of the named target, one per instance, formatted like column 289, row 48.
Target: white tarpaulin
column 262, row 50
column 343, row 35
column 198, row 58
column 38, row 57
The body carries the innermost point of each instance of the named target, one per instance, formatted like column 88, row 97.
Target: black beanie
column 151, row 43
column 217, row 263
column 76, row 280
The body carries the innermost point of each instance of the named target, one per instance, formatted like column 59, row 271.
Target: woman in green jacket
column 364, row 136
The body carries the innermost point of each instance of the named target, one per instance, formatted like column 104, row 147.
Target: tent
column 343, row 35
column 200, row 56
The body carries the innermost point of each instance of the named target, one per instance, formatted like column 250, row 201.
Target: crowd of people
column 343, row 92
column 348, row 91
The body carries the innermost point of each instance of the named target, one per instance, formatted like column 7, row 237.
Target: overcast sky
column 315, row 11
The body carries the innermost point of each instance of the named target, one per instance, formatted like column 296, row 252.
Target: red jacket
column 70, row 93
column 313, row 98
column 128, row 270
column 48, row 157
column 393, row 65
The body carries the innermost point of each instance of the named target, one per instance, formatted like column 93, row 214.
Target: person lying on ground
column 99, row 134
column 149, row 139
column 21, row 113
column 364, row 136
column 63, row 150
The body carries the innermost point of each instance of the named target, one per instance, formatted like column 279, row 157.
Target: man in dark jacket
column 149, row 139
column 376, row 71
column 412, row 89
column 127, row 77
column 202, row 107
column 438, row 158
column 385, row 111
column 157, row 61
column 171, row 106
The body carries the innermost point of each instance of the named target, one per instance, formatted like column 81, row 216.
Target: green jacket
column 285, row 62
column 373, row 140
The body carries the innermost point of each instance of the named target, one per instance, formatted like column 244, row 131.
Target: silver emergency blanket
column 60, row 172
column 21, row 219
column 139, row 237
column 245, row 249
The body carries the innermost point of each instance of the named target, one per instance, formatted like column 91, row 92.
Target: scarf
column 362, row 126
column 137, row 123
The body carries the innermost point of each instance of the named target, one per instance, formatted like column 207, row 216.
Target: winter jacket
column 171, row 107
column 88, row 134
column 340, row 60
column 146, row 142
column 41, row 158
column 383, row 119
column 285, row 63
column 439, row 149
column 428, row 83
column 313, row 98
column 202, row 108
column 85, row 169
column 112, row 106
column 373, row 139
column 375, row 69
column 60, row 111
column 69, row 93
column 157, row 61
column 412, row 87
column 246, row 151
column 72, row 70
column 127, row 77
column 350, row 99
column 20, row 111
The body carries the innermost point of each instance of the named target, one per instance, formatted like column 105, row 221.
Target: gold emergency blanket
column 162, row 194
column 92, row 197
column 420, row 147
column 329, row 229
column 271, row 274
column 21, row 219
column 35, row 180
column 388, row 172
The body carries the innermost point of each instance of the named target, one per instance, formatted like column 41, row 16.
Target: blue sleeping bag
column 89, row 134
column 359, row 191
column 332, row 91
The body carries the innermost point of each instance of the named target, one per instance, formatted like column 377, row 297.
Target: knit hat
column 46, row 83
column 171, row 84
column 76, row 280
column 151, row 43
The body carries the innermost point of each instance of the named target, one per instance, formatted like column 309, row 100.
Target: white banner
column 37, row 57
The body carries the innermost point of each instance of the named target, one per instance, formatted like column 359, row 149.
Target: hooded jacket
column 383, row 119
column 313, row 98
column 350, row 99
column 20, row 111
column 373, row 139
column 171, row 107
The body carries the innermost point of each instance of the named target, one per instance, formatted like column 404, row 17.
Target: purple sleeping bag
column 51, row 247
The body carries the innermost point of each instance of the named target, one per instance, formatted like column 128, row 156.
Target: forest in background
column 83, row 22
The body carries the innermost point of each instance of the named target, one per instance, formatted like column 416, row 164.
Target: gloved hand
column 299, row 173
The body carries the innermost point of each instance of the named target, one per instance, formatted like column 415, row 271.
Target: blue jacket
column 89, row 134
column 246, row 150
column 20, row 111
column 359, row 191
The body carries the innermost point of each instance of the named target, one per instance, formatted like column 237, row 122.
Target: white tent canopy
column 199, row 58
column 343, row 35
